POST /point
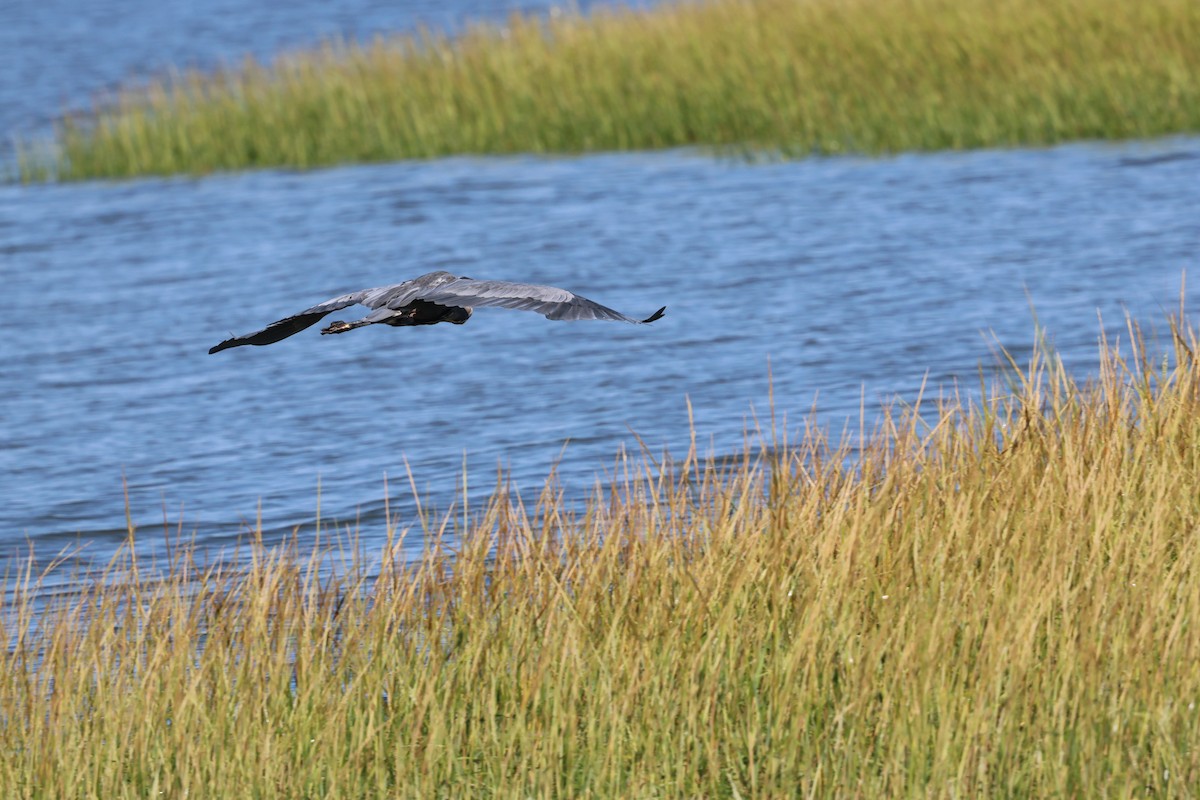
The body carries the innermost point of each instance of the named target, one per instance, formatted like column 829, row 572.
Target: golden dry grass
column 789, row 77
column 997, row 599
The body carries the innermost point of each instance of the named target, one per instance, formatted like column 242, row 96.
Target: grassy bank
column 1001, row 603
column 789, row 76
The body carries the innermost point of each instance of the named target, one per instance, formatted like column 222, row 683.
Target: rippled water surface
column 849, row 279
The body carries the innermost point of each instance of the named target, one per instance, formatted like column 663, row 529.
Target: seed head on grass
column 947, row 610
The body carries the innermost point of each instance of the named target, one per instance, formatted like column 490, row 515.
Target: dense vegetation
column 992, row 599
column 787, row 77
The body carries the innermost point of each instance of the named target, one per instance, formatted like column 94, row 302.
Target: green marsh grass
column 788, row 77
column 991, row 599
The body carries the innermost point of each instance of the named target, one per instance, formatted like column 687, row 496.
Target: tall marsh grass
column 786, row 76
column 992, row 599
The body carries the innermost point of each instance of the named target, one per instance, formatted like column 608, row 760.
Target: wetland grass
column 788, row 77
column 992, row 599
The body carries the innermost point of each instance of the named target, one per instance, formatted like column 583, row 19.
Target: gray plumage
column 433, row 298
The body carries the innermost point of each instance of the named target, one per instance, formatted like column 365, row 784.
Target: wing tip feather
column 656, row 315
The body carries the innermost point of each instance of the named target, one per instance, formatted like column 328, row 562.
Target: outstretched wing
column 395, row 296
column 294, row 324
column 549, row 301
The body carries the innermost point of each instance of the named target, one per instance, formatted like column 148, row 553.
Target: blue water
column 851, row 280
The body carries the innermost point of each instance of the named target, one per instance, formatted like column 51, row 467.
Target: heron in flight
column 433, row 298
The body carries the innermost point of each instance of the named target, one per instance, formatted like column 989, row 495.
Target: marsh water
column 848, row 281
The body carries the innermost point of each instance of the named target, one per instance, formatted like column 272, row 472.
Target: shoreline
column 757, row 78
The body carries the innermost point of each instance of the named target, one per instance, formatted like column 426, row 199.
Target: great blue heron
column 433, row 298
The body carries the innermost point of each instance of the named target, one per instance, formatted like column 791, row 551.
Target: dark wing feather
column 549, row 301
column 287, row 326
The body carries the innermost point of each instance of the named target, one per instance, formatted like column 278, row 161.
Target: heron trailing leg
column 418, row 312
column 339, row 326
